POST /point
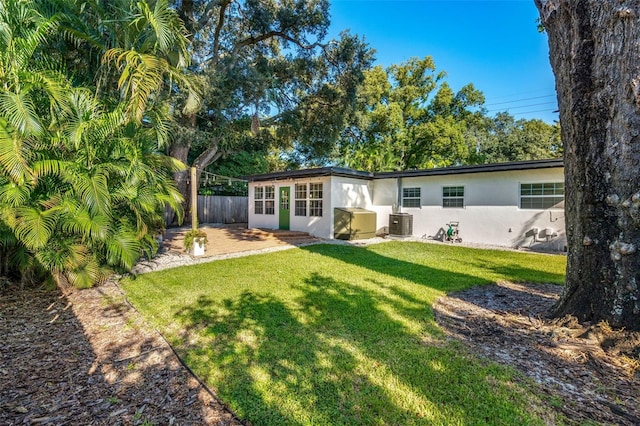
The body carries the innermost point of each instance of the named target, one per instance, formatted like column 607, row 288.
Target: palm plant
column 143, row 51
column 81, row 179
column 22, row 89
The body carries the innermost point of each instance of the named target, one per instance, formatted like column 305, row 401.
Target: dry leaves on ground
column 88, row 359
column 590, row 372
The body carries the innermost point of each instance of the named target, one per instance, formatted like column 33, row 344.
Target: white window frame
column 412, row 197
column 316, row 196
column 270, row 200
column 549, row 194
column 448, row 199
column 300, row 199
column 258, row 200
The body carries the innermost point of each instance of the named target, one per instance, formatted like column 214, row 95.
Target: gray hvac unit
column 401, row 224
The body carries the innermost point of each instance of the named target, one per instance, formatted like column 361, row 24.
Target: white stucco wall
column 350, row 192
column 317, row 226
column 491, row 214
column 385, row 200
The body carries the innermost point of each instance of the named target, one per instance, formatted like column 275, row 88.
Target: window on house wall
column 269, row 199
column 258, row 200
column 411, row 197
column 301, row 199
column 542, row 196
column 315, row 199
column 452, row 197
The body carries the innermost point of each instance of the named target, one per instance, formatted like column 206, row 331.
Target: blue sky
column 493, row 44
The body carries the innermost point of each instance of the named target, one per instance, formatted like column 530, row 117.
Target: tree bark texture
column 183, row 179
column 595, row 56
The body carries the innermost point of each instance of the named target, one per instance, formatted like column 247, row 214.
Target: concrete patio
column 236, row 238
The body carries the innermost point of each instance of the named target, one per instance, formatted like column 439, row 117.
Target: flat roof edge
column 310, row 173
column 476, row 168
column 344, row 172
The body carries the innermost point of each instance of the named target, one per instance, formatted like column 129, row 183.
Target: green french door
column 285, row 207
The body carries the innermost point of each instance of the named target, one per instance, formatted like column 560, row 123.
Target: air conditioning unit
column 401, row 224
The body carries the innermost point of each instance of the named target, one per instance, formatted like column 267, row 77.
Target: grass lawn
column 342, row 335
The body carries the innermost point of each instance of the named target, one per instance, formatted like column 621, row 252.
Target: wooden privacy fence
column 222, row 209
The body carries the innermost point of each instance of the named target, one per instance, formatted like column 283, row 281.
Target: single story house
column 517, row 204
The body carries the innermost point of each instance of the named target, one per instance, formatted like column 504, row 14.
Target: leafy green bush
column 192, row 235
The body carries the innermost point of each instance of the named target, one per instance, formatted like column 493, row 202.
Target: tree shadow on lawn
column 341, row 354
column 439, row 279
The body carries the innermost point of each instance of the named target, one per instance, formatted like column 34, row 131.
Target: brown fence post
column 194, row 198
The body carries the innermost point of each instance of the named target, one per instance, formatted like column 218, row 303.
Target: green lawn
column 342, row 335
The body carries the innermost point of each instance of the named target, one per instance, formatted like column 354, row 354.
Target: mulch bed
column 589, row 372
column 86, row 358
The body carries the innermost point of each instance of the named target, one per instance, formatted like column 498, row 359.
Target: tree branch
column 209, row 155
column 224, row 4
column 271, row 34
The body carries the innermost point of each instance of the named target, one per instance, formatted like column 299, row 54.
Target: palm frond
column 7, row 237
column 39, row 27
column 93, row 190
column 35, row 227
column 13, row 195
column 168, row 33
column 149, row 245
column 171, row 164
column 27, row 30
column 5, row 36
column 76, row 30
column 160, row 125
column 86, row 274
column 80, row 221
column 194, row 86
column 13, row 154
column 76, row 124
column 108, row 125
column 141, row 201
column 68, row 259
column 49, row 167
column 141, row 75
column 123, row 249
column 19, row 110
column 54, row 84
column 195, row 89
column 24, row 261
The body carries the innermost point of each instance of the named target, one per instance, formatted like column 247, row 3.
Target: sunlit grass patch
column 341, row 335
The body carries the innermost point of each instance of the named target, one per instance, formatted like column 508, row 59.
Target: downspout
column 399, row 195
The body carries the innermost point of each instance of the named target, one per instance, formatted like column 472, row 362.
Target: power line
column 548, row 90
column 522, row 106
column 519, row 100
column 531, row 112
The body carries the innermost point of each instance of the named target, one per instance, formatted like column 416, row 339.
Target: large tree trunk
column 595, row 56
column 183, row 179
